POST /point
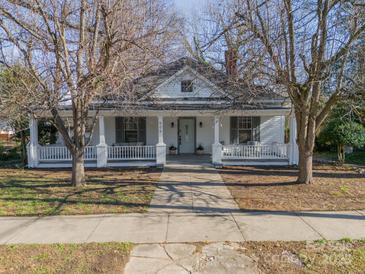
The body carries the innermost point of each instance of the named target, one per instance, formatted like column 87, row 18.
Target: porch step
column 68, row 164
column 63, row 165
column 131, row 164
column 273, row 162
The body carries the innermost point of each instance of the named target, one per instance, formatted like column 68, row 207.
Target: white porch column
column 293, row 151
column 33, row 159
column 161, row 146
column 101, row 148
column 217, row 146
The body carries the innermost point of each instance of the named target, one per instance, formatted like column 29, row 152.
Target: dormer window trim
column 187, row 86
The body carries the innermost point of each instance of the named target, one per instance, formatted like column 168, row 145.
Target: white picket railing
column 131, row 152
column 90, row 153
column 61, row 153
column 255, row 152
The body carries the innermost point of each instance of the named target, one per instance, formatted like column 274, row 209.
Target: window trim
column 236, row 127
column 239, row 129
column 125, row 130
column 187, row 86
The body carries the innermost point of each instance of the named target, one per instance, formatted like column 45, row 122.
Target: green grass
column 45, row 192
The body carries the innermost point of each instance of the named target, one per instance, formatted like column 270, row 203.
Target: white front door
column 186, row 135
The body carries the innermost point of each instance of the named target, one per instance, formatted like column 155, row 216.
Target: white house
column 185, row 105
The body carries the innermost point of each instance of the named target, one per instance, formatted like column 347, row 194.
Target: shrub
column 340, row 133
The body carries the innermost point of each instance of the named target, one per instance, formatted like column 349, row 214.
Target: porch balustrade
column 255, row 152
column 131, row 152
column 61, row 153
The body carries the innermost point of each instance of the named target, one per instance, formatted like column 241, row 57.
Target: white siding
column 109, row 130
column 205, row 134
column 225, row 130
column 172, row 89
column 95, row 136
column 272, row 129
column 151, row 131
column 170, row 133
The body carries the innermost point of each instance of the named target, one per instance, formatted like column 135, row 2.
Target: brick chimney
column 231, row 57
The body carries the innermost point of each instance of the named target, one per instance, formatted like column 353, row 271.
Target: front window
column 131, row 130
column 245, row 130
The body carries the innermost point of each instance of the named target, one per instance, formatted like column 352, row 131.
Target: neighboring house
column 189, row 106
column 6, row 132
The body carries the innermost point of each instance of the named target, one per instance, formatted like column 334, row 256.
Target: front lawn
column 356, row 158
column 48, row 192
column 64, row 258
column 264, row 188
column 344, row 256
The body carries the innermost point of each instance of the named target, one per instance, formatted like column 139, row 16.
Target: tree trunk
column 305, row 140
column 341, row 153
column 23, row 153
column 78, row 170
column 305, row 168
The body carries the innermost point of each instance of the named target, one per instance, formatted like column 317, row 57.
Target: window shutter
column 256, row 121
column 119, row 130
column 142, row 130
column 234, row 130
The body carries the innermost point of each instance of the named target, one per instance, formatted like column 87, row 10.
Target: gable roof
column 153, row 80
column 233, row 94
column 237, row 89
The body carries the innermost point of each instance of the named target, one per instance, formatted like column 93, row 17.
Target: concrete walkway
column 191, row 204
column 191, row 188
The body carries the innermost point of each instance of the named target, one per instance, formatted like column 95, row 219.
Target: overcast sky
column 188, row 7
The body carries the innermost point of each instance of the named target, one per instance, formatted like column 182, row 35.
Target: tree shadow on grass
column 288, row 172
column 83, row 196
column 102, row 188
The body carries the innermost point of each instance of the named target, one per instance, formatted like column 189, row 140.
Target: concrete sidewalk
column 191, row 204
column 184, row 227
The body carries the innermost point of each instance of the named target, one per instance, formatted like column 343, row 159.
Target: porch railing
column 255, row 152
column 131, row 152
column 61, row 153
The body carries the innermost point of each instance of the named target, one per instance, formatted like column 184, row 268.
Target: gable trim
column 186, row 68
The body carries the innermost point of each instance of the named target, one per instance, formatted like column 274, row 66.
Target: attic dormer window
column 187, row 86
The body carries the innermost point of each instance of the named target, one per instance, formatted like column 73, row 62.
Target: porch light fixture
column 172, row 124
column 200, row 124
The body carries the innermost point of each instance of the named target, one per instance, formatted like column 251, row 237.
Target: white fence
column 90, row 153
column 255, row 152
column 131, row 152
column 61, row 153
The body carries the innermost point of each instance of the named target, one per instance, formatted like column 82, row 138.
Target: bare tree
column 15, row 106
column 299, row 46
column 358, row 100
column 83, row 51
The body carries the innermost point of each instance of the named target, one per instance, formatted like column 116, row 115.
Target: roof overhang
column 177, row 113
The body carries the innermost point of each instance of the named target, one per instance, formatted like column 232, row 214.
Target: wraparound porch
column 214, row 133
